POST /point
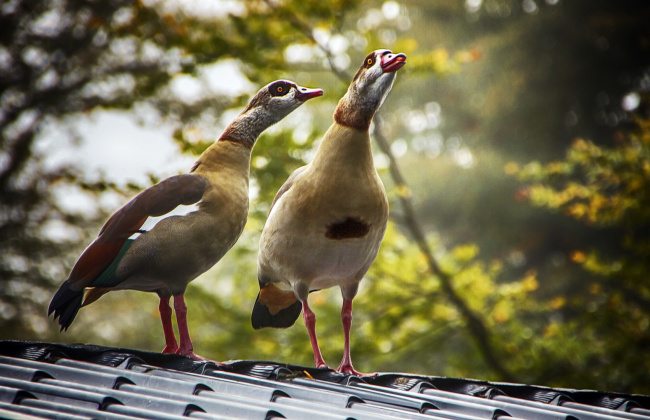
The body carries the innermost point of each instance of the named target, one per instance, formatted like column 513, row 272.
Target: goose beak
column 303, row 93
column 392, row 62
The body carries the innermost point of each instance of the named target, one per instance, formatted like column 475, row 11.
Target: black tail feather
column 65, row 305
column 262, row 318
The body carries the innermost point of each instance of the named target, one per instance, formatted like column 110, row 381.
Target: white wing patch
column 151, row 221
column 276, row 205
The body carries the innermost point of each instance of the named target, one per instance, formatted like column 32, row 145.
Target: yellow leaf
column 530, row 282
column 577, row 210
column 511, row 168
column 580, row 145
column 558, row 302
column 501, row 312
column 403, row 191
column 465, row 252
column 578, row 257
column 440, row 55
column 551, row 330
column 634, row 184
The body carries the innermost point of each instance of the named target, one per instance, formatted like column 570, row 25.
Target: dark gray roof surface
column 55, row 381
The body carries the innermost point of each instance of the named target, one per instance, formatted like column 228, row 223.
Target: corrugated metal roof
column 54, row 381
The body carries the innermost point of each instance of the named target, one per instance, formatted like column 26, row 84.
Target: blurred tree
column 57, row 61
column 604, row 187
column 481, row 282
column 549, row 71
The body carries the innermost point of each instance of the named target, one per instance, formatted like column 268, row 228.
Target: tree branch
column 308, row 32
column 474, row 324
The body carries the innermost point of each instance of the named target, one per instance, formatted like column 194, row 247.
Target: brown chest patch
column 351, row 227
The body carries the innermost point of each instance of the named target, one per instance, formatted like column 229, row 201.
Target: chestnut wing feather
column 157, row 200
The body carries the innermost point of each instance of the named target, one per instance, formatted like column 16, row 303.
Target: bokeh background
column 515, row 148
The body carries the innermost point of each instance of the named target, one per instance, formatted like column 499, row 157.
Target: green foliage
column 595, row 185
column 413, row 322
column 604, row 187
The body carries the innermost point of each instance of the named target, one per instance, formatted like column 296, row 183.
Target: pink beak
column 392, row 62
column 303, row 93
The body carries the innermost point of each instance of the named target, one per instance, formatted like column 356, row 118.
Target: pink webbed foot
column 348, row 369
column 203, row 359
column 199, row 358
column 170, row 350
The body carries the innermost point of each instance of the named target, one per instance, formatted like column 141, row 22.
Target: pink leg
column 346, row 363
column 310, row 322
column 166, row 317
column 186, row 347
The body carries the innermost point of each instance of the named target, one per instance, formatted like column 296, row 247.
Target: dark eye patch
column 279, row 88
column 369, row 61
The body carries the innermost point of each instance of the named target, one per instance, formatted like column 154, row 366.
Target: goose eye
column 370, row 61
column 279, row 89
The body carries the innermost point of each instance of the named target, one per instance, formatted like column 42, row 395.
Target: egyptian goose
column 327, row 221
column 134, row 252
